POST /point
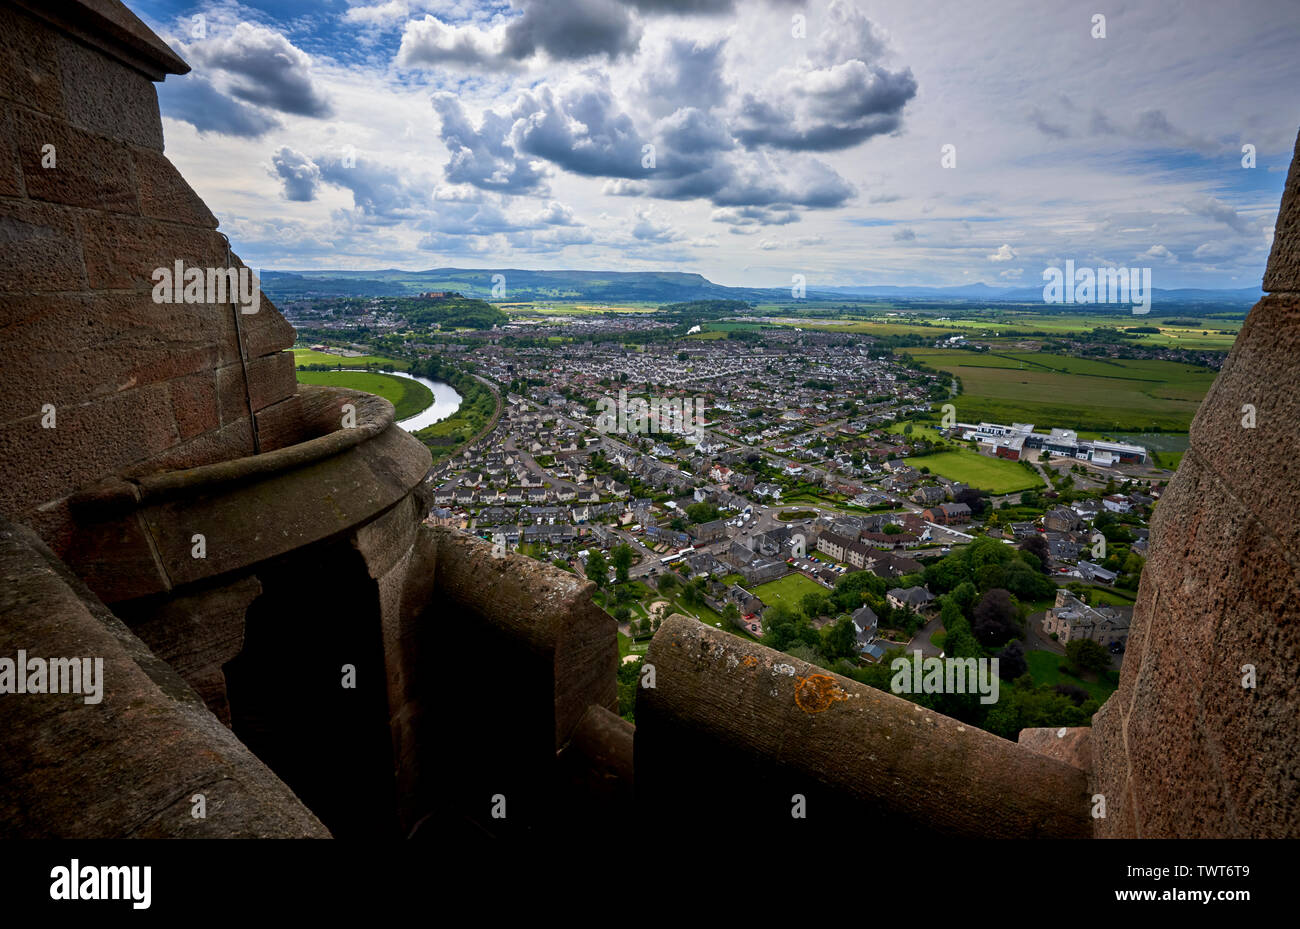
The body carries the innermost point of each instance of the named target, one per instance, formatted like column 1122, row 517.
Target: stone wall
column 1183, row 748
column 135, row 385
column 131, row 765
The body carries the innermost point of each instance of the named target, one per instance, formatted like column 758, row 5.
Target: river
column 445, row 401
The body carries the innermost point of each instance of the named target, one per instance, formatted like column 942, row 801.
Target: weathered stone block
column 86, row 170
column 104, row 96
column 89, row 441
column 42, row 248
column 11, row 184
column 194, row 403
column 29, row 64
column 164, row 194
column 48, row 339
column 122, row 252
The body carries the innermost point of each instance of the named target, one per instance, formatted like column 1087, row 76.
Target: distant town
column 830, row 501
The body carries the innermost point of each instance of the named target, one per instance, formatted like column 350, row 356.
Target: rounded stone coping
column 871, row 747
column 117, row 494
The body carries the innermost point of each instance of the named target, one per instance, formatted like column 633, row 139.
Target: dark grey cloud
column 568, row 30
column 264, row 68
column 827, row 110
column 300, row 174
column 194, row 100
column 484, row 157
column 580, row 128
column 756, row 216
column 684, row 74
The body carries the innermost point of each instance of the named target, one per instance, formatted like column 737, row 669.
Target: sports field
column 408, row 397
column 788, row 590
column 305, row 356
column 1072, row 393
column 996, row 475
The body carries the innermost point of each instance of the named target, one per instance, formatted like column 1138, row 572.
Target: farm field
column 305, row 356
column 1212, row 334
column 787, row 590
column 996, row 475
column 1072, row 393
column 408, row 397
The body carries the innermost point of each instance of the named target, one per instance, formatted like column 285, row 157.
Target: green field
column 788, row 590
column 1072, row 393
column 1005, row 325
column 996, row 475
column 408, row 397
column 305, row 356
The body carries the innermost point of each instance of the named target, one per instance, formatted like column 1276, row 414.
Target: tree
column 1087, row 655
column 622, row 560
column 597, row 569
column 701, row 512
column 995, row 618
column 840, row 640
column 668, row 582
column 731, row 614
column 1036, row 544
column 814, row 604
column 1011, row 661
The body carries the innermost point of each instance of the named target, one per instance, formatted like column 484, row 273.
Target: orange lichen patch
column 749, row 661
column 816, row 692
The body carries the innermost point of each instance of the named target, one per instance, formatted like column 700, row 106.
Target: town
column 809, row 498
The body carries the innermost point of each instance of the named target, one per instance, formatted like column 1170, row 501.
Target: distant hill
column 653, row 287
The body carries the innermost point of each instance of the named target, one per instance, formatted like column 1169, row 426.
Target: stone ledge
column 128, row 765
column 726, row 710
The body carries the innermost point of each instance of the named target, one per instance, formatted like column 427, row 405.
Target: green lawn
column 1043, row 668
column 408, row 397
column 788, row 590
column 996, row 475
column 305, row 356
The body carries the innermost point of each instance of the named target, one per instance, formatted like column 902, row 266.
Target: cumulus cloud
column 1215, row 209
column 1159, row 253
column 567, row 30
column 755, row 216
column 264, row 68
column 484, row 156
column 904, row 235
column 381, row 194
column 300, row 174
column 684, row 73
column 559, row 30
column 841, row 96
column 194, row 100
column 649, row 228
column 433, row 43
column 1004, row 253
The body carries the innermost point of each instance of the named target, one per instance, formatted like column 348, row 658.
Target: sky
column 911, row 142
